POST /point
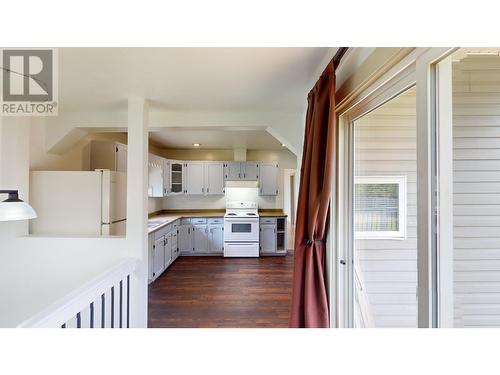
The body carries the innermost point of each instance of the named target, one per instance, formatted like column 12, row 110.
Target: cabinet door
column 233, row 171
column 166, row 177
column 268, row 179
column 168, row 249
column 216, row 238
column 194, row 178
column 158, row 257
column 121, row 157
column 200, row 238
column 268, row 238
column 185, row 238
column 174, row 245
column 214, row 178
column 251, row 171
column 176, row 177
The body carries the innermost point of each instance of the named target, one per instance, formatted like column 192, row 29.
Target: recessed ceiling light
column 196, row 144
column 283, row 145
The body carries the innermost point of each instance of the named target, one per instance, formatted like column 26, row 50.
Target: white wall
column 385, row 144
column 285, row 159
column 29, row 277
column 476, row 176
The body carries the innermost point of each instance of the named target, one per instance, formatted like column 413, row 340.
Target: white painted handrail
column 364, row 316
column 83, row 308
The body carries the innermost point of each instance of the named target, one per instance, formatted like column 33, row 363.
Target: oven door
column 241, row 230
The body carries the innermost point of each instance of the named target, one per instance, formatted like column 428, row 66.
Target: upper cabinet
column 232, row 170
column 166, row 177
column 194, row 178
column 105, row 155
column 176, row 177
column 172, row 177
column 250, row 171
column 214, row 178
column 268, row 179
column 236, row 171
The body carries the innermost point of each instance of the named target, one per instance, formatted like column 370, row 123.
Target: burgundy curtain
column 309, row 295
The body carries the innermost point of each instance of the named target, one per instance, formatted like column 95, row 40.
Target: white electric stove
column 241, row 229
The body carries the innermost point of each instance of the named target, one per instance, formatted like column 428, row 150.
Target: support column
column 137, row 205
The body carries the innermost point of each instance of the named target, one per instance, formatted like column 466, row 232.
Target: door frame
column 287, row 173
column 420, row 69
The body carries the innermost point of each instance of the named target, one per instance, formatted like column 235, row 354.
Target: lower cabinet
column 200, row 239
column 158, row 257
column 216, row 238
column 185, row 238
column 273, row 236
column 163, row 249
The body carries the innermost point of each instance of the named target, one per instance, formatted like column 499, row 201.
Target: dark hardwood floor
column 223, row 292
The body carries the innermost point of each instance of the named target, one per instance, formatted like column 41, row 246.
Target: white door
column 168, row 249
column 166, row 177
column 233, row 171
column 214, row 178
column 185, row 238
column 194, row 178
column 268, row 179
column 268, row 238
column 158, row 257
column 121, row 157
column 200, row 238
column 251, row 171
column 216, row 238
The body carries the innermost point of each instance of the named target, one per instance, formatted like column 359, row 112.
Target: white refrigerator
column 87, row 203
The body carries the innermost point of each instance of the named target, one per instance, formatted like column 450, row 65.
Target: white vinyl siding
column 385, row 145
column 476, row 184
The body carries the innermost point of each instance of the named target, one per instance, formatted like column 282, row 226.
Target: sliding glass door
column 385, row 215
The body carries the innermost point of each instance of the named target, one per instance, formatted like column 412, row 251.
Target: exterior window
column 380, row 207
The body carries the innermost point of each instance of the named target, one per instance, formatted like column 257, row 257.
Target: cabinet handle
column 202, row 190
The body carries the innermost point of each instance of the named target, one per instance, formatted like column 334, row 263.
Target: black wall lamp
column 14, row 208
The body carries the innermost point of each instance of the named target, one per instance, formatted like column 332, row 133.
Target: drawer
column 216, row 220
column 268, row 220
column 175, row 224
column 185, row 221
column 198, row 220
column 162, row 232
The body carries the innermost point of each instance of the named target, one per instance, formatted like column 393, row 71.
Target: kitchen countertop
column 166, row 217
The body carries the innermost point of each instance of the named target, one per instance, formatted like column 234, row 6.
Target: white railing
column 104, row 302
column 363, row 313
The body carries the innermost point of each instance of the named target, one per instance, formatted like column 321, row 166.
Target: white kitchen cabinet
column 176, row 177
column 233, row 171
column 175, row 245
column 158, row 257
column 216, row 238
column 214, row 178
column 194, row 178
column 200, row 238
column 268, row 179
column 166, row 177
column 168, row 249
column 268, row 238
column 250, row 171
column 185, row 239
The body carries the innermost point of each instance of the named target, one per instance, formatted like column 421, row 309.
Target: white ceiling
column 187, row 78
column 176, row 138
